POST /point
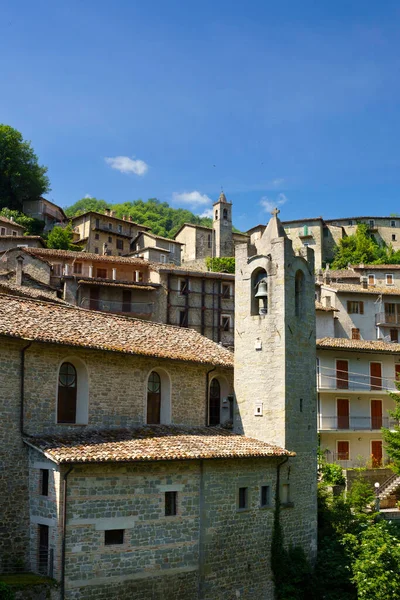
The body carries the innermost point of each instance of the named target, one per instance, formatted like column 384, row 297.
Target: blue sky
column 290, row 103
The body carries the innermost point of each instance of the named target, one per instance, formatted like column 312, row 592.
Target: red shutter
column 375, row 376
column 376, row 451
column 342, row 374
column 376, row 414
column 343, row 413
column 361, row 307
column 343, row 450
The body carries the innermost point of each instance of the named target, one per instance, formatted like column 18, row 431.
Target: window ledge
column 287, row 505
column 243, row 510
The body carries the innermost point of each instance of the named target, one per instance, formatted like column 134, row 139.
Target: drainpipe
column 64, row 531
column 22, row 388
column 207, row 390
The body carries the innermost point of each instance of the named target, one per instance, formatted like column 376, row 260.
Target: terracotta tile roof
column 49, row 253
column 341, row 274
column 10, row 222
column 71, row 326
column 6, row 287
column 122, row 284
column 359, row 289
column 158, row 248
column 157, row 237
column 114, row 218
column 375, row 267
column 193, row 270
column 320, row 306
column 152, row 443
column 355, row 219
column 359, row 345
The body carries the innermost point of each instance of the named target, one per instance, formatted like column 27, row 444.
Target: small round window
column 154, row 383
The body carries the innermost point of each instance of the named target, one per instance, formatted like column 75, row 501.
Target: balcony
column 349, row 423
column 330, row 379
column 124, row 308
column 388, row 319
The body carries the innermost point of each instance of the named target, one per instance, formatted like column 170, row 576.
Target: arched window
column 259, row 292
column 154, row 398
column 225, row 213
column 215, row 402
column 67, row 393
column 216, row 215
column 299, row 293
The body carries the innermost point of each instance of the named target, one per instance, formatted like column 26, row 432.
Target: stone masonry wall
column 117, row 388
column 208, row 550
column 14, row 520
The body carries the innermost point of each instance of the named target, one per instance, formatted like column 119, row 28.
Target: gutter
column 64, row 531
column 22, row 389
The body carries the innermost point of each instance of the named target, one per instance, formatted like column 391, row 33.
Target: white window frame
column 14, row 233
column 163, row 258
column 386, row 278
column 180, row 292
column 172, row 248
column 393, row 223
column 337, row 449
column 224, row 296
column 2, row 231
column 371, row 275
column 222, row 322
column 371, row 223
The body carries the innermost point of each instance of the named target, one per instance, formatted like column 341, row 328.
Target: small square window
column 389, row 279
column 350, row 222
column 225, row 322
column 78, row 268
column 113, row 537
column 109, row 239
column 394, row 335
column 183, row 287
column 96, row 250
column 119, row 228
column 355, row 334
column 243, row 498
column 120, row 244
column 110, row 226
column 44, row 482
column 371, row 279
column 265, row 496
column 97, row 223
column 392, row 223
column 2, row 231
column 96, row 236
column 163, row 258
column 171, row 507
column 394, row 237
column 183, row 318
column 371, row 223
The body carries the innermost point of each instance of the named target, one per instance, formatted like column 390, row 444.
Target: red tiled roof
column 49, row 253
column 374, row 267
column 71, row 326
column 6, row 287
column 320, row 306
column 122, row 284
column 360, row 345
column 152, row 443
column 359, row 289
column 10, row 222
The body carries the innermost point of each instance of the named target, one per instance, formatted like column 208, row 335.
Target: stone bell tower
column 275, row 357
column 222, row 226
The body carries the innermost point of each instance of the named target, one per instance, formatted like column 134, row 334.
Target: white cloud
column 191, row 198
column 277, row 182
column 124, row 164
column 269, row 203
column 208, row 212
column 88, row 196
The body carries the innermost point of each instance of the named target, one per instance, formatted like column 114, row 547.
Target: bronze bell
column 262, row 291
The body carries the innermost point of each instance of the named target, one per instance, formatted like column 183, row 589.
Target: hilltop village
column 162, row 416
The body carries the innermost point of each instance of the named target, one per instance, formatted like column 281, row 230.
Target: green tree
column 361, row 247
column 223, row 264
column 376, row 564
column 33, row 226
column 391, row 436
column 21, row 176
column 60, row 238
column 86, row 205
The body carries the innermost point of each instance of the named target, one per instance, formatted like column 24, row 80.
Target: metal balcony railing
column 330, row 379
column 347, row 462
column 350, row 423
column 130, row 308
column 384, row 318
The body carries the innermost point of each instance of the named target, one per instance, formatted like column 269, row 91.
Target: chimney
column 327, row 302
column 124, row 217
column 112, row 213
column 130, row 219
column 107, row 212
column 18, row 269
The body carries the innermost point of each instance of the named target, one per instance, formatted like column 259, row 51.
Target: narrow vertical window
column 215, row 402
column 225, row 213
column 153, row 399
column 243, row 498
column 299, row 292
column 259, row 290
column 171, row 505
column 43, row 562
column 44, row 482
column 265, row 496
column 67, row 388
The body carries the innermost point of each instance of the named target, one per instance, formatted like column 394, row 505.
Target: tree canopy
column 362, row 247
column 33, row 226
column 60, row 238
column 392, row 436
column 162, row 218
column 21, row 176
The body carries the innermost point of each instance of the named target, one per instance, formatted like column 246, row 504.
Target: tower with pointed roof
column 222, row 226
column 275, row 380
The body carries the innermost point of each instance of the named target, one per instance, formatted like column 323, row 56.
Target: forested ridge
column 160, row 216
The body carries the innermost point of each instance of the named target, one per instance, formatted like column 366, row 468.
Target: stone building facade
column 156, row 248
column 112, row 505
column 100, row 233
column 45, row 211
column 274, row 366
column 199, row 242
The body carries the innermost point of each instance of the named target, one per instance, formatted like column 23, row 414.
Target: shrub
column 361, row 495
column 6, row 593
column 332, row 474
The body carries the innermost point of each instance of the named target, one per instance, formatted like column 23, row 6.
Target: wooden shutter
column 343, row 413
column 376, row 451
column 343, row 450
column 342, row 374
column 375, row 376
column 361, row 304
column 376, row 414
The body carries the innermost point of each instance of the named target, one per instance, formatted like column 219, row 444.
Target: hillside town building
column 156, row 248
column 45, row 211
